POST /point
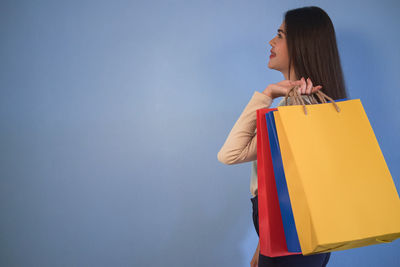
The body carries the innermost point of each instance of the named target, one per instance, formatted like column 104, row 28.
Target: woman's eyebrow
column 279, row 30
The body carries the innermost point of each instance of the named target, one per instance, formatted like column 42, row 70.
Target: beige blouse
column 241, row 144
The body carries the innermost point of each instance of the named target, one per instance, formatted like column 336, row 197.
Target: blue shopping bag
column 289, row 226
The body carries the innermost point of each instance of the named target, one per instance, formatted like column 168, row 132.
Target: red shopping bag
column 271, row 231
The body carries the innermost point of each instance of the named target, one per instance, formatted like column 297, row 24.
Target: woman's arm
column 241, row 143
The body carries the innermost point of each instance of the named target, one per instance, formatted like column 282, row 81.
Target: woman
column 305, row 52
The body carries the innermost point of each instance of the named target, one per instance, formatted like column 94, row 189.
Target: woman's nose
column 271, row 42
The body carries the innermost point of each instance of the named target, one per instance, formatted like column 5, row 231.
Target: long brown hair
column 313, row 51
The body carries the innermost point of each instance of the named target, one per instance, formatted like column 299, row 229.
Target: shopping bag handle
column 298, row 100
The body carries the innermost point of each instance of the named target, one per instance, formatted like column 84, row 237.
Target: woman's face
column 279, row 58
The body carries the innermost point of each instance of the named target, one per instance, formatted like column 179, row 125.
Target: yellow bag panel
column 339, row 184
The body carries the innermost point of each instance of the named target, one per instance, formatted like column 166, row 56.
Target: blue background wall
column 112, row 114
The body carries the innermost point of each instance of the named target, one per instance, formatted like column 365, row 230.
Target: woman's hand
column 281, row 88
column 254, row 261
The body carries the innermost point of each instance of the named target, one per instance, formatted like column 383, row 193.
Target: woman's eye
column 279, row 35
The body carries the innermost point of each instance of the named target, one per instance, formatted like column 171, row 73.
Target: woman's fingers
column 295, row 83
column 287, row 83
column 282, row 88
column 309, row 86
column 303, row 86
column 316, row 88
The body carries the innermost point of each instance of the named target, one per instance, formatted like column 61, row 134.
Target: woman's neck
column 292, row 75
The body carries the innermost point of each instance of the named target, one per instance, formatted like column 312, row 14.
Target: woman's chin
column 273, row 67
column 270, row 66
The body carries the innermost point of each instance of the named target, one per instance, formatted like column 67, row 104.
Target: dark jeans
column 316, row 260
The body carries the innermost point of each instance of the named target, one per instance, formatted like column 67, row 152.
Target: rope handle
column 298, row 99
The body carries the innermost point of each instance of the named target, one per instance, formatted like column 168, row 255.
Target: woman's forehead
column 282, row 27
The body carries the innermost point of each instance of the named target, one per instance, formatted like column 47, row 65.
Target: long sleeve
column 241, row 143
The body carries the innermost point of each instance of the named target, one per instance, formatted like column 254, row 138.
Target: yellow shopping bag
column 341, row 190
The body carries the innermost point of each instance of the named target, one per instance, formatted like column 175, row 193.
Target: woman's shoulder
column 281, row 102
